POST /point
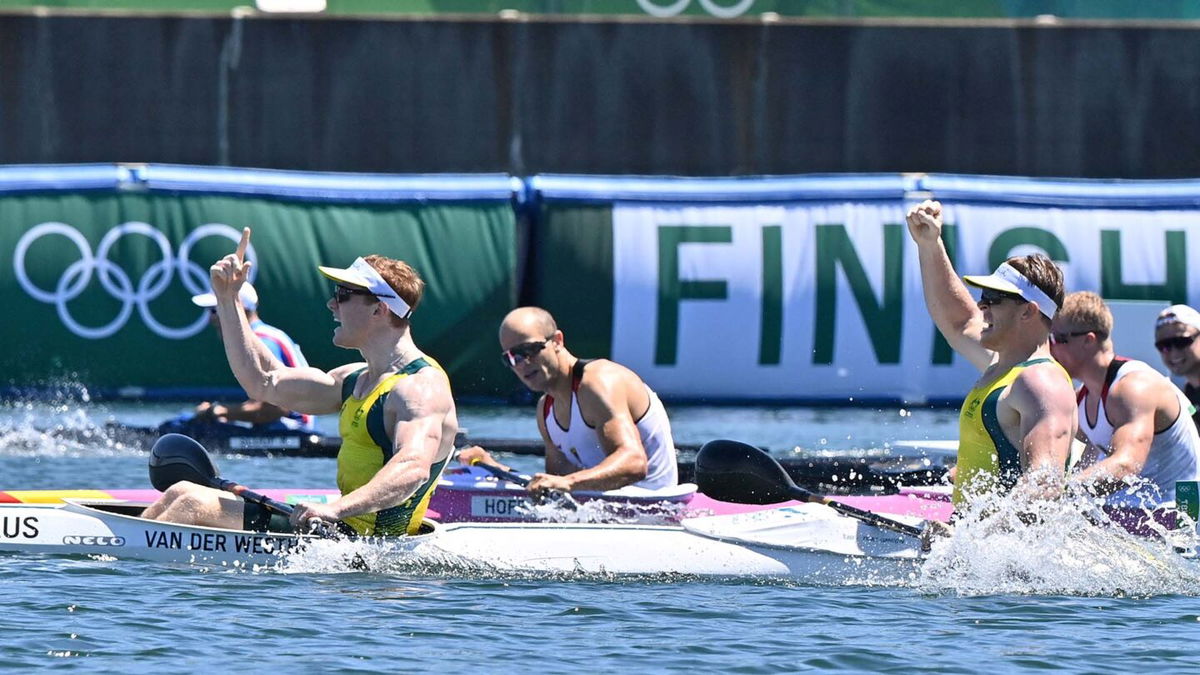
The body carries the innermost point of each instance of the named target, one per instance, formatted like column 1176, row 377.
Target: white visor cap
column 247, row 295
column 1007, row 279
column 361, row 274
column 1179, row 314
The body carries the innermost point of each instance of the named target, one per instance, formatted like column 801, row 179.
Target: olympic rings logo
column 116, row 281
column 675, row 7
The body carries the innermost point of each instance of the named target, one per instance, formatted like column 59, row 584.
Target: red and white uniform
column 580, row 444
column 1174, row 452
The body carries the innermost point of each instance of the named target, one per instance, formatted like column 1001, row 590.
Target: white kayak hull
column 830, row 548
column 79, row 527
column 648, row 550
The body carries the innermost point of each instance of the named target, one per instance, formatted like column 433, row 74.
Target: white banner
column 824, row 301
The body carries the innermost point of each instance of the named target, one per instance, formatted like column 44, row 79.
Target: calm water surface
column 112, row 616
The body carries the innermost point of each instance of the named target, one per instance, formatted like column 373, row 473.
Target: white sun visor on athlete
column 361, row 274
column 1179, row 314
column 1007, row 279
column 247, row 295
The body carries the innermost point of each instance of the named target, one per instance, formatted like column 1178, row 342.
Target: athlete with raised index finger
column 397, row 416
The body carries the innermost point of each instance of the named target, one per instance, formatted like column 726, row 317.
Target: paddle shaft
column 564, row 498
column 507, row 475
column 316, row 526
column 252, row 496
column 857, row 513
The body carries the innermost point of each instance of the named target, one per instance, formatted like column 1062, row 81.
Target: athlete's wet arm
column 1130, row 407
column 248, row 357
column 1044, row 399
column 950, row 304
column 266, row 378
column 418, row 406
column 307, row 390
column 604, row 404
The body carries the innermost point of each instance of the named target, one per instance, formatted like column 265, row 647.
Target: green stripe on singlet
column 1007, row 455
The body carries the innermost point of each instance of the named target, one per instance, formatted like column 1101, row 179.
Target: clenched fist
column 925, row 221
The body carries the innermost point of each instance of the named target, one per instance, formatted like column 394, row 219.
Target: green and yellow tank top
column 366, row 447
column 987, row 460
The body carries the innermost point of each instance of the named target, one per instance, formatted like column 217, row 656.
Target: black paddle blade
column 737, row 472
column 176, row 457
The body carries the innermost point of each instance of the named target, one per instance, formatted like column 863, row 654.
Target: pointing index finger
column 245, row 242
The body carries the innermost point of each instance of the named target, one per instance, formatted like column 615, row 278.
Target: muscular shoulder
column 1141, row 380
column 426, row 388
column 607, row 385
column 340, row 373
column 1140, row 389
column 1044, row 386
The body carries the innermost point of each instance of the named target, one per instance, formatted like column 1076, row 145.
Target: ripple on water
column 996, row 603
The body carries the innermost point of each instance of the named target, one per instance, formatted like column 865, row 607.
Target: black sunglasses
column 992, row 297
column 343, row 293
column 522, row 352
column 1180, row 342
column 1064, row 338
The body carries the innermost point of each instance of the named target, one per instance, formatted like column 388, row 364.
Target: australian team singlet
column 366, row 447
column 987, row 461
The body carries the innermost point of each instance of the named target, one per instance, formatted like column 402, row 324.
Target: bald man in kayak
column 1017, row 422
column 602, row 426
column 398, row 419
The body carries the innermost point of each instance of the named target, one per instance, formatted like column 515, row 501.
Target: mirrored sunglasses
column 522, row 352
column 993, row 297
column 1180, row 342
column 343, row 293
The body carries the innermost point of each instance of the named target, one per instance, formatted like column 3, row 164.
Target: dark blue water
column 124, row 616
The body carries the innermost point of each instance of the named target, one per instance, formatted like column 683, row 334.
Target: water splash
column 69, row 425
column 1061, row 547
column 603, row 511
column 335, row 556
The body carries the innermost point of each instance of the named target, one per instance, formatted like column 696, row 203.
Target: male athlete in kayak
column 1138, row 422
column 603, row 427
column 1017, row 422
column 398, row 419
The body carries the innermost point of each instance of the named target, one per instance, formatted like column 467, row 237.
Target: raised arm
column 264, row 377
column 950, row 305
